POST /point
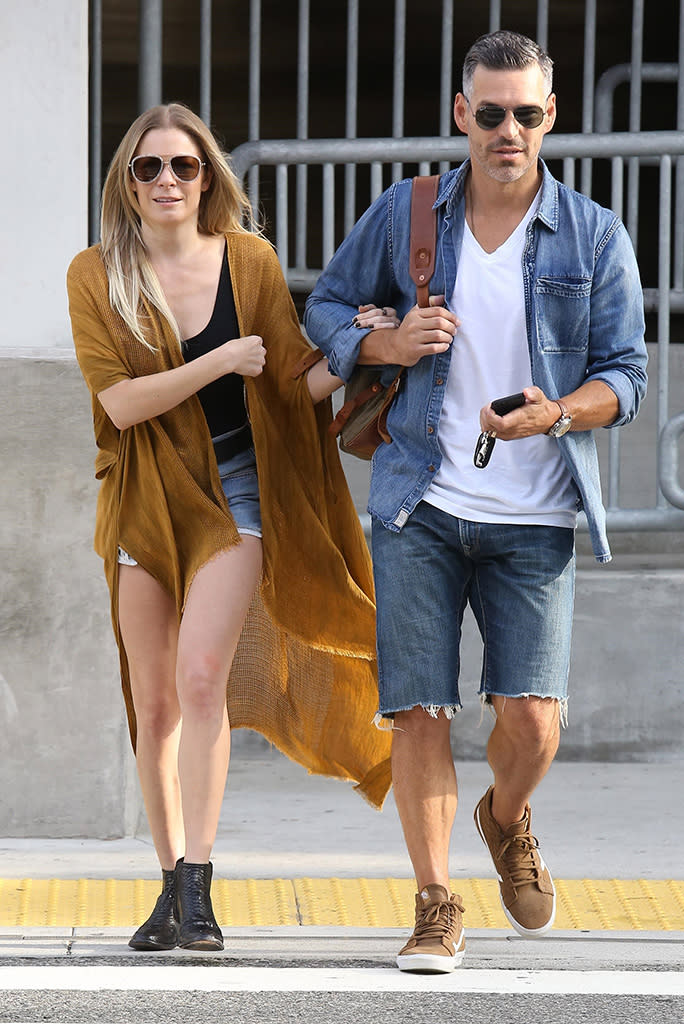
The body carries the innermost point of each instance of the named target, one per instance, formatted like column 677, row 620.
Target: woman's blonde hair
column 223, row 207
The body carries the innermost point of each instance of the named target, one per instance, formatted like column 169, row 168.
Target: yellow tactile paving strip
column 591, row 904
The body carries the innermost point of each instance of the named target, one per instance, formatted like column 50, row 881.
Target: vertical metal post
column 281, row 217
column 254, row 94
column 302, row 132
column 375, row 181
column 678, row 280
column 95, row 121
column 569, row 171
column 328, row 212
column 446, row 91
column 664, row 268
column 494, row 15
column 150, row 49
column 205, row 61
column 617, row 198
column 588, row 73
column 543, row 23
column 398, row 78
column 351, row 113
column 617, row 204
column 635, row 87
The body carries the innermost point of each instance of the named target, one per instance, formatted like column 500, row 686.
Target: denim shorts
column 241, row 488
column 519, row 582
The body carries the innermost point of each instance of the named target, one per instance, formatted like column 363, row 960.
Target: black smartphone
column 503, row 405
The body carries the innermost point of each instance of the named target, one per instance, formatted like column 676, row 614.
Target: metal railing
column 662, row 148
column 595, row 101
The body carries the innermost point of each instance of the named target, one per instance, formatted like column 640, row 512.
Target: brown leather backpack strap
column 354, row 403
column 423, row 234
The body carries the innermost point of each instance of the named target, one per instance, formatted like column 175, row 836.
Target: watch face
column 561, row 426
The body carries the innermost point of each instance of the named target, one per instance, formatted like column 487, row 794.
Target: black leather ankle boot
column 198, row 927
column 160, row 930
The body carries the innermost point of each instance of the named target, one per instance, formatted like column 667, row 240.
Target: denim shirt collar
column 452, row 187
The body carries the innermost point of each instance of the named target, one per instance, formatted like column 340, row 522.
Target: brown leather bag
column 361, row 423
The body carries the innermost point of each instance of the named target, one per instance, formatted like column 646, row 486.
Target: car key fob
column 484, row 448
column 485, row 442
column 503, row 405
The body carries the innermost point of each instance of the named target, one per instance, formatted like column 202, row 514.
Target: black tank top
column 223, row 400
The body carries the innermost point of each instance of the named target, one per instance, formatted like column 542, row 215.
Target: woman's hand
column 246, row 356
column 376, row 317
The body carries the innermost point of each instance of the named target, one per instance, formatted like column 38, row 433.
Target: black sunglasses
column 147, row 169
column 490, row 116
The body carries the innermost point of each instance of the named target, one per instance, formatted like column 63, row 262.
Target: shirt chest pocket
column 562, row 313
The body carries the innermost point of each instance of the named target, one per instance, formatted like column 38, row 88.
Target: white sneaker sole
column 531, row 933
column 428, row 963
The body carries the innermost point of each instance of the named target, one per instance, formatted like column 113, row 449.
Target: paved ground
column 595, row 821
column 609, row 832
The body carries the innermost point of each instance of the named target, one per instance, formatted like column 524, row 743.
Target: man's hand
column 536, row 416
column 423, row 332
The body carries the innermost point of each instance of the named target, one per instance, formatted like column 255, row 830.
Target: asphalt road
column 606, row 978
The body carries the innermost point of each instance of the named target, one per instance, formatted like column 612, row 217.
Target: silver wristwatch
column 563, row 423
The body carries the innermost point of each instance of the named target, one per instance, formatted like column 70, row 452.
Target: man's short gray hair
column 505, row 51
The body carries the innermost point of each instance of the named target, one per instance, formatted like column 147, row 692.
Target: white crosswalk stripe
column 306, row 979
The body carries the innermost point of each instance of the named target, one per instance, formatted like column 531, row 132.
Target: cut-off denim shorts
column 241, row 488
column 519, row 582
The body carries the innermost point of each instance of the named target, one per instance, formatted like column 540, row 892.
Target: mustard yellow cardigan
column 304, row 674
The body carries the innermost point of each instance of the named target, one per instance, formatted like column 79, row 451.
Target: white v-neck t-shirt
column 526, row 481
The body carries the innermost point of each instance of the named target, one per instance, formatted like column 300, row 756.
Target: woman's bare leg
column 149, row 628
column 214, row 614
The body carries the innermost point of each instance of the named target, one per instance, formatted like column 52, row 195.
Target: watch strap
column 564, row 418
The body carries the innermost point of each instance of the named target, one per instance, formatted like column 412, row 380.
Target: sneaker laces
column 519, row 853
column 438, row 919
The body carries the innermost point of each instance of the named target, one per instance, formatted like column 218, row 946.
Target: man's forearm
column 594, row 404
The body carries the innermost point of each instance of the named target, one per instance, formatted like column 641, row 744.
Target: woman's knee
column 201, row 686
column 157, row 714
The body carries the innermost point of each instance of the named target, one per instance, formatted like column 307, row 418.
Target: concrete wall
column 43, row 183
column 65, row 760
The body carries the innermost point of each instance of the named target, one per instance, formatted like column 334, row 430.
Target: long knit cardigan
column 304, row 674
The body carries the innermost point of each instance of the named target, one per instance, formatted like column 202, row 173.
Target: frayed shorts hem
column 486, row 702
column 384, row 720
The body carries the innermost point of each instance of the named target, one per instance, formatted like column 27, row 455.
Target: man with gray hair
column 537, row 299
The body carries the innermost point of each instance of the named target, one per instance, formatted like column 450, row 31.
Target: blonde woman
column 239, row 578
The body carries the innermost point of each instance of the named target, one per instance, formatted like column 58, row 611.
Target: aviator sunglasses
column 147, row 169
column 490, row 116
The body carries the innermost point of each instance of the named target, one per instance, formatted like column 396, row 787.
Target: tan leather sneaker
column 437, row 945
column 528, row 896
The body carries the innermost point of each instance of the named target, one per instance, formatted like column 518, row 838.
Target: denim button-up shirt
column 584, row 314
